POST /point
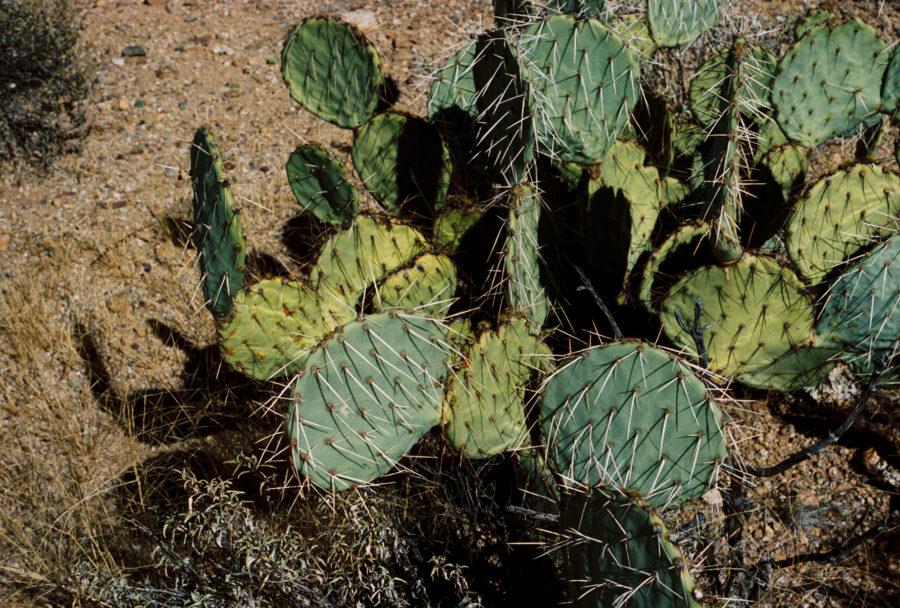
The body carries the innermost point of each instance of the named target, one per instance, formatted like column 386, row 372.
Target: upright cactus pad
column 217, row 227
column 829, row 82
column 629, row 416
column 404, row 163
column 426, row 287
column 677, row 22
column 842, row 213
column 584, row 84
column 484, row 402
column 618, row 553
column 758, row 309
column 319, row 182
column 860, row 316
column 365, row 398
column 525, row 290
column 332, row 71
column 363, row 255
column 276, row 323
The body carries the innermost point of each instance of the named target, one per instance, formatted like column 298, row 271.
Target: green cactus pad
column 759, row 309
column 332, row 71
column 842, row 213
column 787, row 165
column 525, row 290
column 404, row 163
column 363, row 255
column 217, row 227
column 687, row 233
column 799, row 367
column 677, row 22
column 584, row 9
column 365, row 398
column 319, row 182
column 753, row 69
column 484, row 402
column 452, row 225
column 630, row 416
column 890, row 89
column 426, row 287
column 583, row 80
column 618, row 553
column 860, row 315
column 276, row 323
column 829, row 82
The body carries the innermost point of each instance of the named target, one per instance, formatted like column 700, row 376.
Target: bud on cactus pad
column 319, row 182
column 631, row 417
column 332, row 71
column 217, row 226
column 365, row 398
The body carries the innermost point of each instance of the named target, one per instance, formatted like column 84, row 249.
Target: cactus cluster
column 379, row 337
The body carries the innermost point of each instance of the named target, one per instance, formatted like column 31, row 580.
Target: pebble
column 139, row 103
column 133, row 50
column 118, row 303
column 4, row 241
column 118, row 61
column 123, row 104
column 221, row 49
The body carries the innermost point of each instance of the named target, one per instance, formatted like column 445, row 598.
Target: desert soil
column 97, row 248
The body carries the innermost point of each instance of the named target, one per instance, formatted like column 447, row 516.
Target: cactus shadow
column 212, row 397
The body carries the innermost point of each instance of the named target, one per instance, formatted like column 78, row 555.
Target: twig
column 696, row 331
column 587, row 285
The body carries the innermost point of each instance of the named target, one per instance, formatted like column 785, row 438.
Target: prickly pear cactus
column 687, row 233
column 860, row 315
column 758, row 309
column 890, row 89
column 331, row 70
column 677, row 22
column 217, row 226
column 276, row 323
column 426, row 288
column 525, row 290
column 484, row 404
column 830, row 82
column 752, row 68
column 404, row 163
column 584, row 85
column 787, row 165
column 631, row 417
column 618, row 553
column 319, row 183
column 453, row 223
column 365, row 398
column 842, row 213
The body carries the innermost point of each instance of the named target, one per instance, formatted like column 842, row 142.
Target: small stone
column 4, row 241
column 238, row 62
column 133, row 50
column 363, row 19
column 118, row 61
column 272, row 60
column 119, row 303
column 123, row 104
column 182, row 105
column 139, row 103
column 221, row 49
column 191, row 17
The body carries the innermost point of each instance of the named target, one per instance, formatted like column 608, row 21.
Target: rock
column 118, row 304
column 221, row 49
column 133, row 50
column 4, row 241
column 123, row 104
column 363, row 19
column 118, row 61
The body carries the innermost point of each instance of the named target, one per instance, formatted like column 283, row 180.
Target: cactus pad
column 404, row 163
column 759, row 310
column 687, row 233
column 484, row 402
column 217, row 226
column 677, row 22
column 275, row 324
column 426, row 287
column 629, row 416
column 842, row 213
column 618, row 553
column 583, row 81
column 829, row 82
column 890, row 89
column 452, row 225
column 365, row 398
column 752, row 66
column 332, row 71
column 319, row 182
column 860, row 316
column 525, row 290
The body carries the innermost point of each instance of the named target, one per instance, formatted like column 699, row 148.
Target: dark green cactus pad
column 890, row 89
column 276, row 323
column 452, row 225
column 689, row 232
column 426, row 287
column 630, row 416
column 753, row 70
column 484, row 404
column 584, row 9
column 319, row 182
column 583, row 81
column 618, row 553
column 365, row 398
column 332, row 71
column 759, row 309
column 480, row 102
column 525, row 290
column 860, row 315
column 677, row 22
column 217, row 227
column 829, row 82
column 404, row 164
column 363, row 255
column 842, row 213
